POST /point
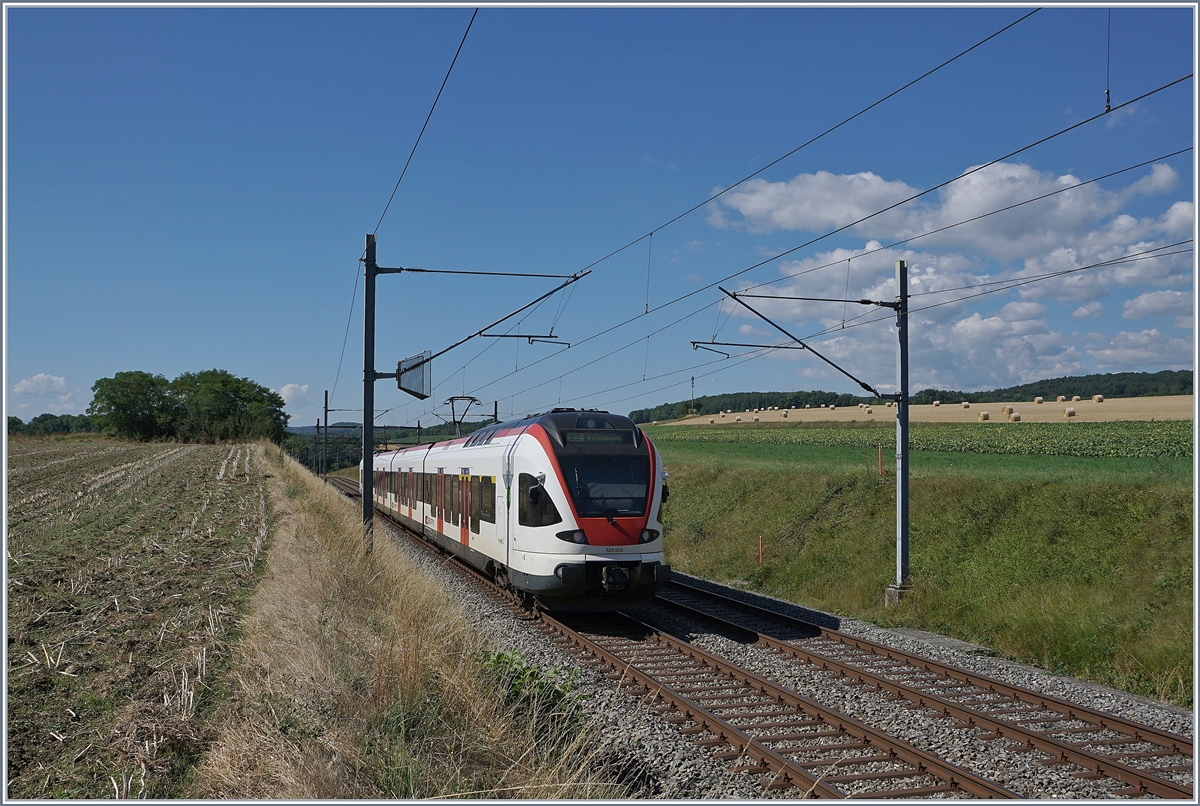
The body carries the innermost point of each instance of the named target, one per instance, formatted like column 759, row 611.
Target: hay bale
column 808, row 405
column 966, row 405
column 712, row 420
column 983, row 415
column 739, row 419
column 1097, row 398
column 1068, row 412
column 1075, row 398
column 867, row 409
column 784, row 414
column 1013, row 417
column 937, row 403
column 1037, row 400
column 756, row 418
column 832, row 407
column 1060, row 399
column 722, row 415
column 1006, row 409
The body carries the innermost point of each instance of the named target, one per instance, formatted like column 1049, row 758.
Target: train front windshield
column 607, row 486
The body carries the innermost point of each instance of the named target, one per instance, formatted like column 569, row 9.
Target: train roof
column 555, row 421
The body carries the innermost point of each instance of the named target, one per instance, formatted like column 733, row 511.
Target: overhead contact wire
column 843, row 228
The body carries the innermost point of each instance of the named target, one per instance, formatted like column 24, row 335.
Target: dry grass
column 357, row 677
column 1171, row 407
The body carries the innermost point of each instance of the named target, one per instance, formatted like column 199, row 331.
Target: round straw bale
column 966, row 405
column 937, row 402
column 783, row 414
column 756, row 418
column 1037, row 400
column 1014, row 417
column 1075, row 398
column 808, row 405
column 1097, row 398
column 722, row 415
column 1060, row 399
column 832, row 407
column 1068, row 412
column 738, row 419
column 867, row 409
column 712, row 420
column 983, row 415
column 1006, row 409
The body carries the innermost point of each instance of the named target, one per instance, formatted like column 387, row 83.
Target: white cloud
column 1158, row 303
column 1131, row 352
column 294, row 394
column 41, row 384
column 1092, row 309
column 1161, row 179
column 50, row 394
column 810, row 202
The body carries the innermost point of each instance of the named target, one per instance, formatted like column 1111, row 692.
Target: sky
column 190, row 188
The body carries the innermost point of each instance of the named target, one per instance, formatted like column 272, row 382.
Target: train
column 562, row 508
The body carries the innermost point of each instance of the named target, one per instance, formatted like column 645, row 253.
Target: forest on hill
column 1115, row 384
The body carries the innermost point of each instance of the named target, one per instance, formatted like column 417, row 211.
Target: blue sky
column 190, row 188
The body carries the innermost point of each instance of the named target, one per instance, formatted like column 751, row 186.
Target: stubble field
column 126, row 565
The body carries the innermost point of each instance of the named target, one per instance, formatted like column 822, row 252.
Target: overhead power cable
column 819, row 238
column 903, row 241
column 358, row 267
column 814, row 139
column 426, row 123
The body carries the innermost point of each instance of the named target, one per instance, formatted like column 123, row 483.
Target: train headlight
column 573, row 536
column 648, row 536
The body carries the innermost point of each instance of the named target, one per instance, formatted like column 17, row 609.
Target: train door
column 440, row 499
column 464, row 505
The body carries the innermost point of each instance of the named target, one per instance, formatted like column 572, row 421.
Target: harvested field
column 127, row 566
column 1173, row 407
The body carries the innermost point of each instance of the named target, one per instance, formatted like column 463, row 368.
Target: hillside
column 1111, row 385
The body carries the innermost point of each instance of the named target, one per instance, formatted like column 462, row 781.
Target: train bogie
column 564, row 506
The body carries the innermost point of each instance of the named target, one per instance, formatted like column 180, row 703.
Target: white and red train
column 562, row 507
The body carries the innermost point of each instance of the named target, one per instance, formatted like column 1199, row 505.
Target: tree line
column 209, row 406
column 1115, row 384
column 45, row 425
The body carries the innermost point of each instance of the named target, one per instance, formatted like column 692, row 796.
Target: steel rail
column 785, row 770
column 1140, row 780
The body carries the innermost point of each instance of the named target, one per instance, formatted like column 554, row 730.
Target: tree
column 215, row 405
column 135, row 405
column 16, row 426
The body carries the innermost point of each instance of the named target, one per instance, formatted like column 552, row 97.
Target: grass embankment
column 1082, row 566
column 358, row 677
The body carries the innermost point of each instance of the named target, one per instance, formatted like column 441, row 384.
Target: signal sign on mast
column 413, row 375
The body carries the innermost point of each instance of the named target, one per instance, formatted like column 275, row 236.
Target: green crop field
column 1078, row 563
column 1169, row 438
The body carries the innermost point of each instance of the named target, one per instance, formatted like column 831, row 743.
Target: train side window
column 475, row 491
column 454, row 499
column 487, row 499
column 541, row 511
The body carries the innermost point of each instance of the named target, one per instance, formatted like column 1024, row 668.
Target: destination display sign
column 601, row 436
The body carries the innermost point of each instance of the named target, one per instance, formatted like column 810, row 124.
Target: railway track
column 791, row 742
column 1144, row 759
